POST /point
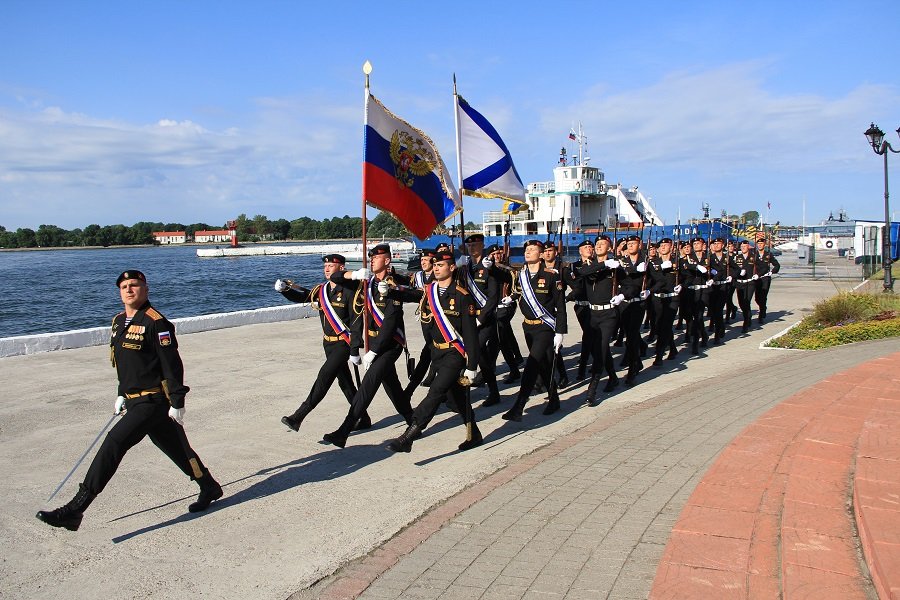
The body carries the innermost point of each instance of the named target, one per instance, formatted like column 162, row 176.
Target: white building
column 216, row 236
column 169, row 237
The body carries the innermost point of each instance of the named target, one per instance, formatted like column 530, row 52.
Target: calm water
column 61, row 290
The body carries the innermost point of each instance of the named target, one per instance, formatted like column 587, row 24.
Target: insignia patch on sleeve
column 165, row 338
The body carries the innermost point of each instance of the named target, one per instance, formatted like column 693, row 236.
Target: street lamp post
column 882, row 146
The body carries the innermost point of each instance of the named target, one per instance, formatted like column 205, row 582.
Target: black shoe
column 581, row 372
column 717, row 342
column 473, row 437
column 611, row 384
column 695, row 348
column 513, row 414
column 672, row 355
column 745, row 329
column 365, row 422
column 492, row 400
column 563, row 383
column 428, row 379
column 337, row 438
column 591, row 399
column 210, row 491
column 552, row 404
column 704, row 343
column 404, row 442
column 69, row 515
column 295, row 425
column 631, row 376
column 512, row 377
column 539, row 388
column 658, row 363
column 478, row 381
column 618, row 344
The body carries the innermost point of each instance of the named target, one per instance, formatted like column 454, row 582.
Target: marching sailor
column 720, row 273
column 419, row 280
column 335, row 306
column 766, row 265
column 575, row 282
column 633, row 285
column 386, row 336
column 743, row 265
column 449, row 312
column 484, row 290
column 664, row 273
column 542, row 302
column 509, row 345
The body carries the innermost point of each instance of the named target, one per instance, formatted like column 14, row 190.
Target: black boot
column 673, row 352
column 611, row 383
column 339, row 436
column 365, row 421
column 404, row 442
column 582, row 367
column 658, row 363
column 512, row 377
column 553, row 403
column 695, row 348
column 69, row 515
column 515, row 413
column 210, row 491
column 293, row 421
column 592, row 391
column 473, row 437
column 428, row 379
column 492, row 399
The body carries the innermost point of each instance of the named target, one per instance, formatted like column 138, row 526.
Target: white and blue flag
column 486, row 167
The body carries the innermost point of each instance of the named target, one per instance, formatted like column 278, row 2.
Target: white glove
column 355, row 359
column 470, row 374
column 280, row 286
column 506, row 300
column 677, row 289
column 755, row 277
column 463, row 260
column 486, row 262
column 360, row 274
column 641, row 267
column 743, row 272
column 701, row 268
column 617, row 300
column 557, row 341
column 709, row 282
column 177, row 415
column 645, row 294
column 611, row 263
column 368, row 359
column 728, row 279
column 666, row 264
column 714, row 272
column 119, row 406
column 383, row 287
column 771, row 269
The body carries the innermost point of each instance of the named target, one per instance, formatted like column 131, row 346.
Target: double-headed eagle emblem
column 411, row 157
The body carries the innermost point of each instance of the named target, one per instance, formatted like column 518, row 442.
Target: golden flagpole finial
column 367, row 68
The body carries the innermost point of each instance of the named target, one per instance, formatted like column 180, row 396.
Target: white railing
column 498, row 216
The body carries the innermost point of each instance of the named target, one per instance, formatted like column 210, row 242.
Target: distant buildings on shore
column 216, row 236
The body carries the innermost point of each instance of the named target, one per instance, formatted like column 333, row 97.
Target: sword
column 356, row 374
column 80, row 460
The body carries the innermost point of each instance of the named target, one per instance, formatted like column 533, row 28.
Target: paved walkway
column 589, row 515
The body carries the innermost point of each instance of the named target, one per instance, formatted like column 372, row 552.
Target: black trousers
column 665, row 310
column 730, row 307
column 335, row 367
column 604, row 326
column 717, row 310
column 698, row 307
column 583, row 314
column 632, row 319
column 422, row 367
column 488, row 350
column 762, row 294
column 744, row 296
column 539, row 339
column 145, row 416
column 509, row 345
column 382, row 371
column 448, row 366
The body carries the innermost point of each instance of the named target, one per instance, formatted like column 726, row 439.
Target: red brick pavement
column 786, row 507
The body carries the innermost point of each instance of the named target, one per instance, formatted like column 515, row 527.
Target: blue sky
column 188, row 112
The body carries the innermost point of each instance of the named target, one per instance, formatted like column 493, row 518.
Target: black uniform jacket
column 598, row 281
column 690, row 274
column 662, row 280
column 384, row 337
column 490, row 287
column 765, row 260
column 145, row 355
column 341, row 301
column 548, row 289
column 459, row 308
column 747, row 264
column 632, row 284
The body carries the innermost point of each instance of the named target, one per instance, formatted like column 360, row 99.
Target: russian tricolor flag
column 403, row 172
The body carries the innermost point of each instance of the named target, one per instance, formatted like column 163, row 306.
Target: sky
column 196, row 112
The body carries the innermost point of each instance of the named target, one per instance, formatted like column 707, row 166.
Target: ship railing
column 498, row 216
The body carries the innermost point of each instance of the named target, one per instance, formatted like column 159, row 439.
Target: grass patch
column 843, row 319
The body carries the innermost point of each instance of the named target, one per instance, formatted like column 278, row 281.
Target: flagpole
column 367, row 69
column 462, row 221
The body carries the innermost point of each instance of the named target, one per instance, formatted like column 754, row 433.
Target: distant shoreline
column 204, row 244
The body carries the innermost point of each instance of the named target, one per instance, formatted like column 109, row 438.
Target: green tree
column 751, row 216
column 261, row 225
column 281, row 228
column 25, row 238
column 91, row 235
column 386, row 225
column 50, row 236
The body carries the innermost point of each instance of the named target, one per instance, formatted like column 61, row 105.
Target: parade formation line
column 596, row 509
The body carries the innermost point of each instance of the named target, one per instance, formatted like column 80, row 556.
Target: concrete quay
column 580, row 504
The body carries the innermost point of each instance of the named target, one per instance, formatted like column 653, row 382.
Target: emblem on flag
column 411, row 158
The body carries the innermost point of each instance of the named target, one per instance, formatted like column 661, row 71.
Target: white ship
column 577, row 201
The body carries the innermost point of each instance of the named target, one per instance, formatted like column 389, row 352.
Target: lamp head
column 875, row 136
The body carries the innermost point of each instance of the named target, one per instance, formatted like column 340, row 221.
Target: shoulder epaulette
column 117, row 316
column 462, row 290
column 315, row 291
column 153, row 314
